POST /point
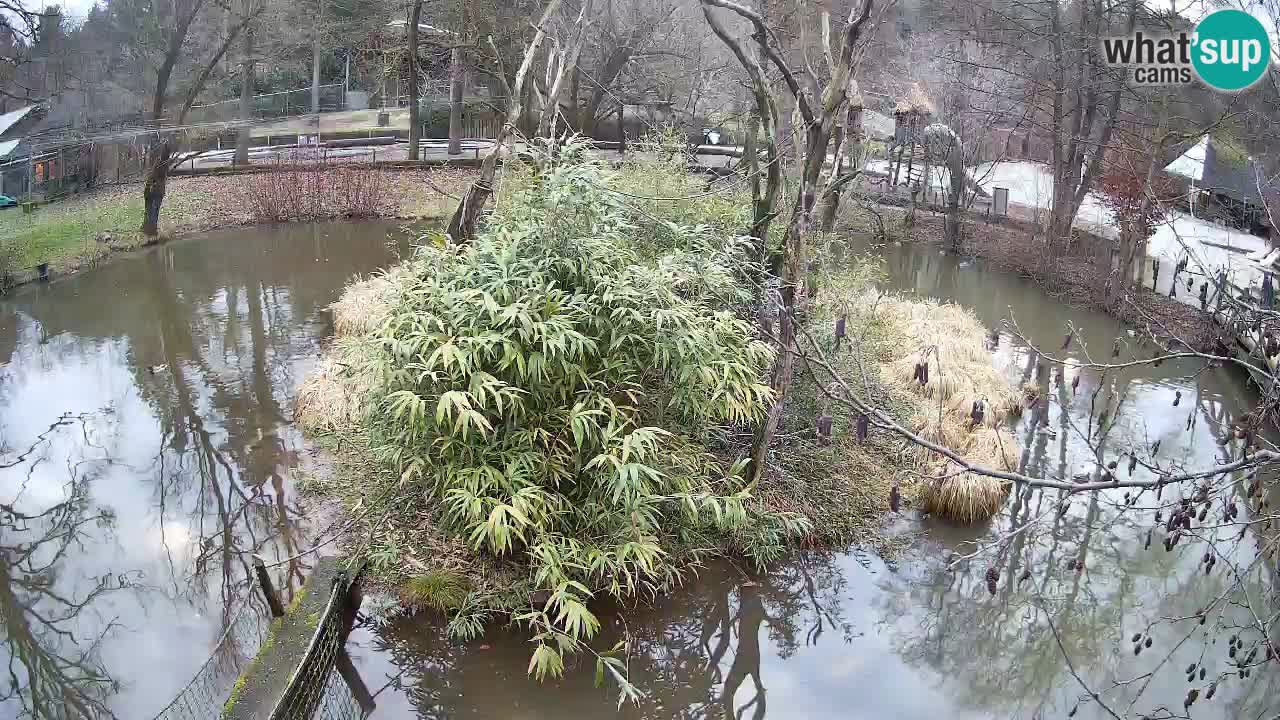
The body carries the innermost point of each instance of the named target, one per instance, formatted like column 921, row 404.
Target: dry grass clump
column 365, row 304
column 964, row 498
column 967, row 497
column 334, row 396
column 953, row 343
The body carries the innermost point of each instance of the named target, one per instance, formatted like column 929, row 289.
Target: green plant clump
column 555, row 393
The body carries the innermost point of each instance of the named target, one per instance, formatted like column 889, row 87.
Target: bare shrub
column 315, row 191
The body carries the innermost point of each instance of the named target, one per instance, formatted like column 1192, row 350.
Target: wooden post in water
column 269, row 590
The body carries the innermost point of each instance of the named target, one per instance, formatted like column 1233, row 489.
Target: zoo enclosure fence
column 286, row 103
column 325, row 685
column 204, row 696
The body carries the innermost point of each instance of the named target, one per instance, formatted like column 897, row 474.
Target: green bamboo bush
column 656, row 183
column 554, row 388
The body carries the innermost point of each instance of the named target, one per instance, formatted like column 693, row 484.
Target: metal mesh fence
column 315, row 690
column 204, row 696
column 285, row 103
column 338, row 702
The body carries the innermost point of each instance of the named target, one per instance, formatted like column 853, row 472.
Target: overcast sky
column 74, row 8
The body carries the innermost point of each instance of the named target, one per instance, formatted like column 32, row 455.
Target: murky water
column 843, row 635
column 126, row 530
column 147, row 450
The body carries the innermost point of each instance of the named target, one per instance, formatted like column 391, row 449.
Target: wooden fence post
column 269, row 590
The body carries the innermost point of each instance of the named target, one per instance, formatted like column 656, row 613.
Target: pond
column 147, row 450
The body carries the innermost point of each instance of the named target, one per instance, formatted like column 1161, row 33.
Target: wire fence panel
column 314, row 689
column 338, row 702
column 281, row 104
column 203, row 698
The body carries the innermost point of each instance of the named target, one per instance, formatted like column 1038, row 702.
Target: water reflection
column 1082, row 576
column 55, row 671
column 731, row 645
column 128, row 533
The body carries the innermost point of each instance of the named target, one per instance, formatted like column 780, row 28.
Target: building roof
column 12, row 118
column 1190, row 164
column 1219, row 167
column 7, row 146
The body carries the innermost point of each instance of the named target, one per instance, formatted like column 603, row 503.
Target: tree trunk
column 1117, row 269
column 159, row 153
column 246, row 101
column 456, row 86
column 551, row 102
column 153, row 188
column 793, row 269
column 829, row 204
column 462, row 226
column 565, row 62
column 1271, row 207
column 751, row 156
column 613, row 67
column 955, row 195
column 848, row 145
column 415, row 122
column 764, row 118
column 575, row 119
column 817, row 135
column 315, row 59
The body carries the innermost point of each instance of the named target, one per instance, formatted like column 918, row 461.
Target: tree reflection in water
column 698, row 654
column 54, row 670
column 197, row 347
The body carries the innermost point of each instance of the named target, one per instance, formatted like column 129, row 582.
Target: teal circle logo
column 1231, row 50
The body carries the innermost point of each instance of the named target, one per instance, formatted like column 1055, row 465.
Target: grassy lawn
column 62, row 232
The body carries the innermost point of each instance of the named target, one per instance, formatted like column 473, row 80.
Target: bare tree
column 19, row 34
column 819, row 114
column 562, row 65
column 457, row 83
column 415, row 121
column 462, row 226
column 317, row 35
column 175, row 28
column 247, row 64
column 626, row 33
column 1084, row 96
column 764, row 123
